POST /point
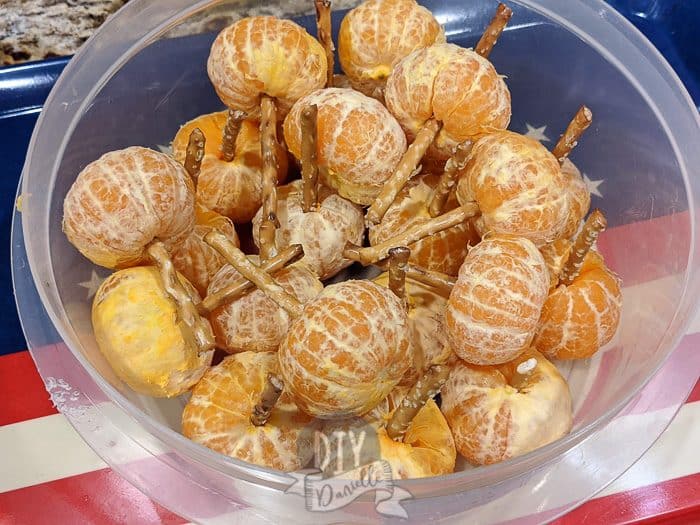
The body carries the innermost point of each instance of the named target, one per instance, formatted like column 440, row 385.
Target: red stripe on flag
column 673, row 501
column 695, row 394
column 100, row 497
column 22, row 390
column 653, row 249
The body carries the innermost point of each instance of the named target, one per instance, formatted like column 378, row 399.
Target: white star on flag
column 92, row 285
column 165, row 148
column 592, row 185
column 537, row 133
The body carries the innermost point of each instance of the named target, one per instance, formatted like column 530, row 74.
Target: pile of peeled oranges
column 488, row 272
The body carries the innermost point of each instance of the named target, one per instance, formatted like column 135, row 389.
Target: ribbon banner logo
column 348, row 465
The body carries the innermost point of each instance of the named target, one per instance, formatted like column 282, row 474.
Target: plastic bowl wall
column 144, row 74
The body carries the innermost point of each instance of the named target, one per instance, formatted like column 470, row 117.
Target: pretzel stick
column 404, row 169
column 309, row 164
column 493, row 31
column 585, row 240
column 398, row 259
column 195, row 328
column 194, row 154
column 425, row 388
column 441, row 282
column 268, row 398
column 325, row 35
column 247, row 269
column 437, row 280
column 448, row 180
column 372, row 254
column 569, row 140
column 241, row 286
column 234, row 121
column 268, row 137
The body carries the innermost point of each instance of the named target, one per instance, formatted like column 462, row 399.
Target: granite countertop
column 38, row 29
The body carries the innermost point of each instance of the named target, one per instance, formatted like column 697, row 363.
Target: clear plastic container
column 144, row 73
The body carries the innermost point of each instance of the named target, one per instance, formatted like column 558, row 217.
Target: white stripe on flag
column 41, row 450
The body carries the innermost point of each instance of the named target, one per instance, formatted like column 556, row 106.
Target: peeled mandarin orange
column 194, row 258
column 426, row 318
column 375, row 35
column 347, row 351
column 233, row 189
column 579, row 198
column 136, row 328
column 218, row 415
column 322, row 232
column 577, row 320
column 359, row 142
column 265, row 55
column 123, row 201
column 441, row 252
column 254, row 322
column 518, row 187
column 500, row 412
column 494, row 307
column 454, row 85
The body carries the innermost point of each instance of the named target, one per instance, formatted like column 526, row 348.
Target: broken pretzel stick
column 194, row 153
column 493, row 31
column 268, row 399
column 309, row 164
column 325, row 35
column 425, row 388
column 234, row 121
column 568, row 141
column 585, row 240
column 398, row 259
column 268, row 138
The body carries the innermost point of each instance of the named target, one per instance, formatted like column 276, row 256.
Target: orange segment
column 218, row 415
column 500, row 412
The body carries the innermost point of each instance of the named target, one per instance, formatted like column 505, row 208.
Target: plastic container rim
column 179, row 10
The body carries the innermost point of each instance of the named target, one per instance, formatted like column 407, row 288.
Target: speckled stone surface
column 37, row 29
column 228, row 11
